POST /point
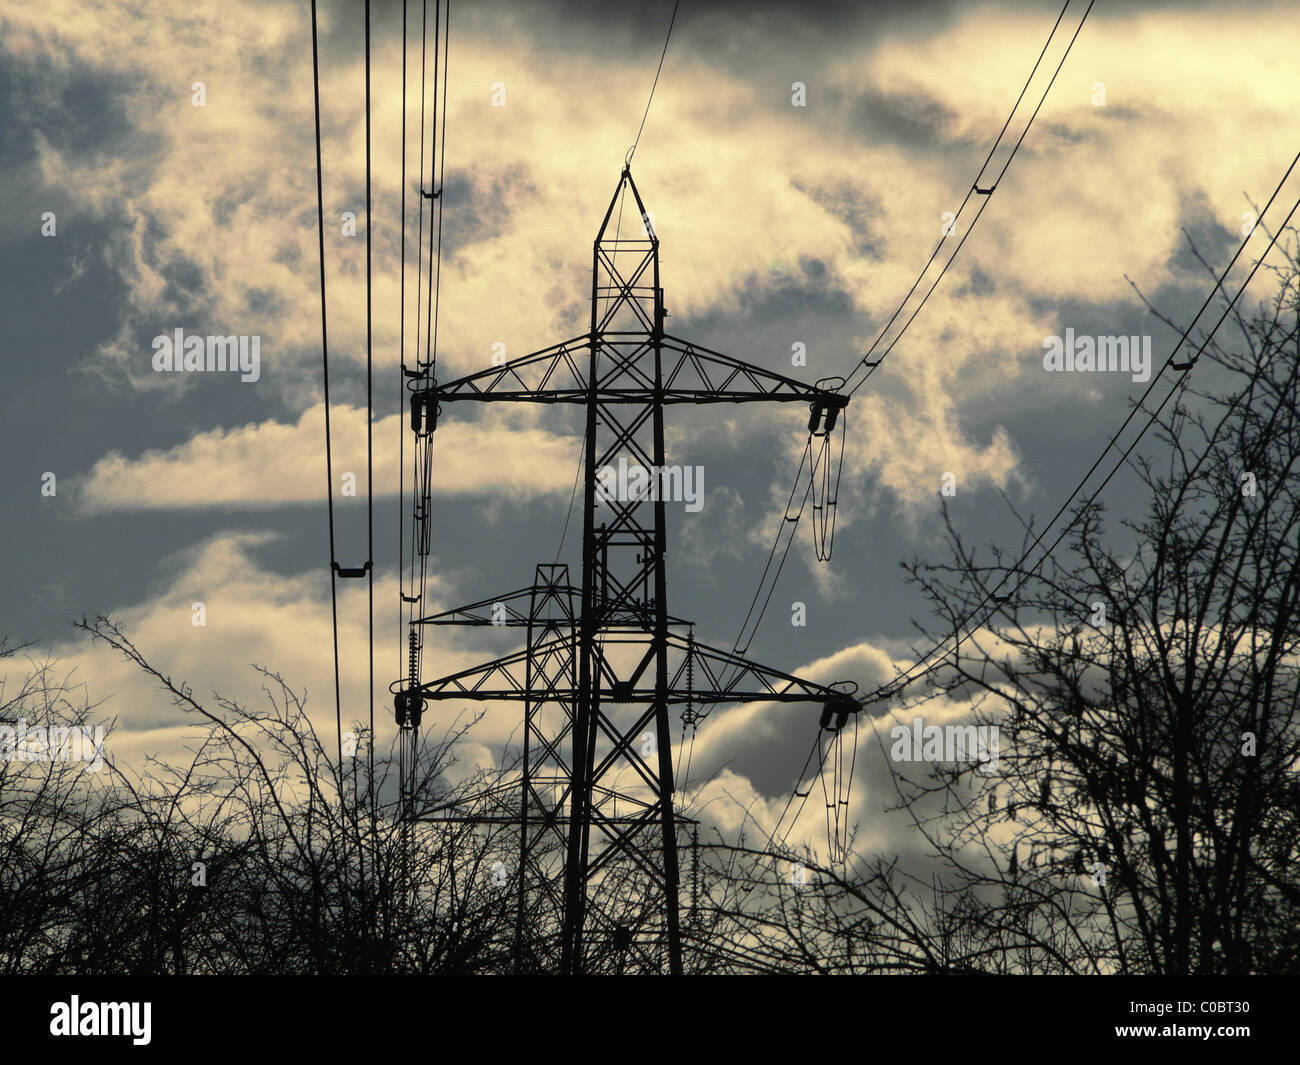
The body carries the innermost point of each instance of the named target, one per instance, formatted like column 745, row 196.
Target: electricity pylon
column 616, row 665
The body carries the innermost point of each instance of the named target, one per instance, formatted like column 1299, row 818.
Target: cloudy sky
column 779, row 225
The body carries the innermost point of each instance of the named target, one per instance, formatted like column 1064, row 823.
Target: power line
column 432, row 195
column 970, row 192
column 419, row 243
column 401, row 380
column 577, row 477
column 627, row 160
column 442, row 169
column 405, row 838
column 415, row 597
column 815, row 461
column 441, row 39
column 793, row 522
column 424, row 468
column 370, row 445
column 898, row 684
column 774, row 848
column 325, row 371
column 742, row 642
column 424, row 418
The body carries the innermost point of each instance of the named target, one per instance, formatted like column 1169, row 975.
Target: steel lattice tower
column 616, row 665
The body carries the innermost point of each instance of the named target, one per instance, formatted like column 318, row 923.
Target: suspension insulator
column 424, row 414
column 814, row 416
column 408, row 707
column 836, row 711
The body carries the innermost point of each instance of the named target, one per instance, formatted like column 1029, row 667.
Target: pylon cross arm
column 509, row 614
column 720, row 677
column 691, row 374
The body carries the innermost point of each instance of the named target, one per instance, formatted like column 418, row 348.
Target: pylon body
column 618, row 667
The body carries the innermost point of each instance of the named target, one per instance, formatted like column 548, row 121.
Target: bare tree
column 258, row 854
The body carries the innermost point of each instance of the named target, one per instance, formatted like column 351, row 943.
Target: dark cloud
column 852, row 204
column 1204, row 234
column 908, row 118
column 484, row 204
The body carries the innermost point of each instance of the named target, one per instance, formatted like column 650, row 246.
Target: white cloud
column 226, row 193
column 272, row 463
